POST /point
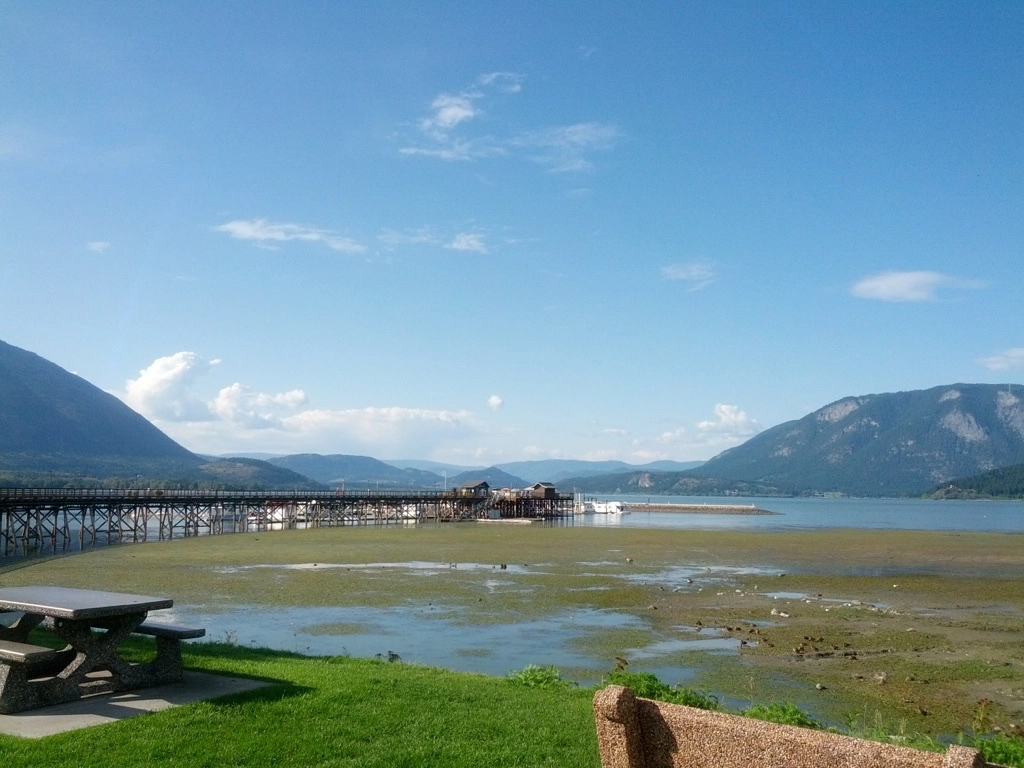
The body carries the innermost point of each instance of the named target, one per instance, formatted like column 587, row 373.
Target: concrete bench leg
column 16, row 695
column 168, row 666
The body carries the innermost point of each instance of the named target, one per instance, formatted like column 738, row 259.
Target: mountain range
column 891, row 444
column 339, row 470
column 58, row 429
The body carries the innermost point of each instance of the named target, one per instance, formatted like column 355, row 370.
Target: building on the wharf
column 544, row 491
column 474, row 488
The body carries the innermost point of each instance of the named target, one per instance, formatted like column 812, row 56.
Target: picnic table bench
column 23, row 653
column 92, row 624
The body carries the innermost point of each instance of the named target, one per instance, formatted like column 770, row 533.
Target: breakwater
column 697, row 509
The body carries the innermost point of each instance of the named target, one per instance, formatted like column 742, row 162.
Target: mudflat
column 918, row 628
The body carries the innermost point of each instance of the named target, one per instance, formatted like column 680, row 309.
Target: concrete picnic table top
column 77, row 604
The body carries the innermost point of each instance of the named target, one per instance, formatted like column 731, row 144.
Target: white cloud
column 565, row 148
column 254, row 410
column 1007, row 360
column 461, row 241
column 908, row 286
column 98, row 246
column 468, row 241
column 267, row 233
column 674, row 436
column 163, row 391
column 394, row 239
column 730, row 427
column 392, row 427
column 446, row 133
column 449, row 111
column 615, row 432
column 494, row 402
column 239, row 418
column 506, row 82
column 457, row 150
column 729, row 420
column 697, row 274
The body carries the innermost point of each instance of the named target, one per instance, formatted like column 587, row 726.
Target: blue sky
column 495, row 232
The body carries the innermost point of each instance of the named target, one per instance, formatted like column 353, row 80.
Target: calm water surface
column 800, row 513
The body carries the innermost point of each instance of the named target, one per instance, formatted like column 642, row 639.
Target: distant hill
column 62, row 471
column 238, row 473
column 548, row 470
column 1003, row 483
column 437, row 467
column 639, row 483
column 886, row 444
column 58, row 430
column 558, row 470
column 670, row 466
column 494, row 477
column 357, row 471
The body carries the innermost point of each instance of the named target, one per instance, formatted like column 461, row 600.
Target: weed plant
column 784, row 714
column 534, row 676
column 648, row 686
column 1002, row 749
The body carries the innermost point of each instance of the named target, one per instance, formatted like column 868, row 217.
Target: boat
column 595, row 507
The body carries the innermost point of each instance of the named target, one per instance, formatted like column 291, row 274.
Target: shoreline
column 698, row 509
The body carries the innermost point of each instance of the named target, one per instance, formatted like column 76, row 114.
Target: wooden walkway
column 40, row 521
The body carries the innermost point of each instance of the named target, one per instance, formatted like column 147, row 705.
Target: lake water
column 805, row 513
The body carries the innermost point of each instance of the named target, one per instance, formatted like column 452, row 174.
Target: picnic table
column 93, row 624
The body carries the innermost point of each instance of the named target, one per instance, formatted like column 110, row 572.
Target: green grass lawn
column 336, row 712
column 341, row 711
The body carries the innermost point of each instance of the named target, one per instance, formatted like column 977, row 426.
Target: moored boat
column 595, row 507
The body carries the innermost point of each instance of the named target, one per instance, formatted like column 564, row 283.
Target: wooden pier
column 40, row 521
